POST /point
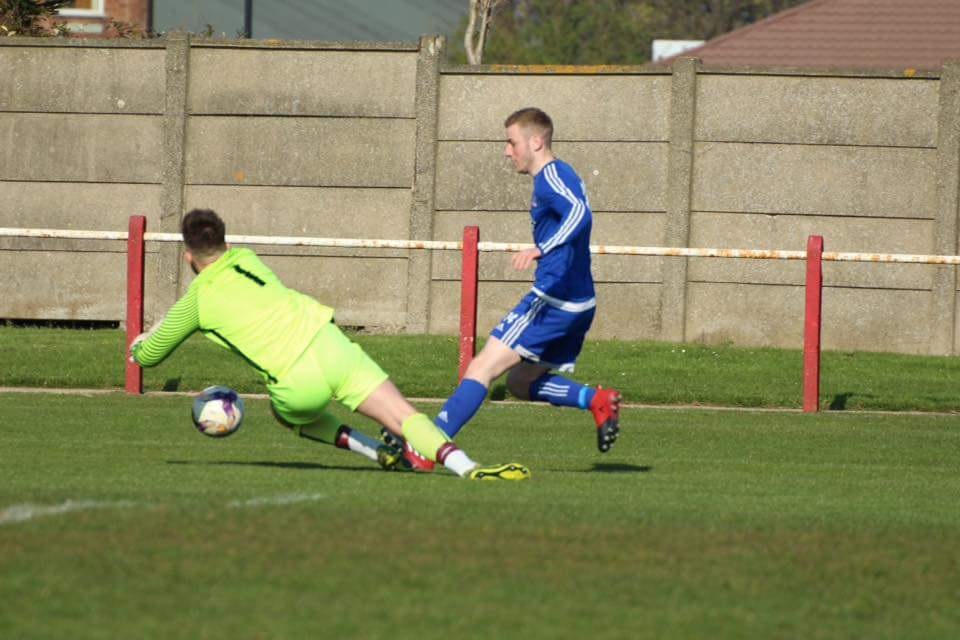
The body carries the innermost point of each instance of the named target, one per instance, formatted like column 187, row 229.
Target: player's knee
column 491, row 362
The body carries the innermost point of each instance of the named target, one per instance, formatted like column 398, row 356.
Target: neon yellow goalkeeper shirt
column 240, row 304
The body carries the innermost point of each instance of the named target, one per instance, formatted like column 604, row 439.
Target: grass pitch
column 118, row 520
column 425, row 366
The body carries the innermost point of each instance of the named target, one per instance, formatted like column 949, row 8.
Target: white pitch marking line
column 277, row 500
column 25, row 512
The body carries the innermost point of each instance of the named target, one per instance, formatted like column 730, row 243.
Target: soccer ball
column 217, row 411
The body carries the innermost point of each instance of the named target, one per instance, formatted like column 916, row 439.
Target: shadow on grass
column 619, row 467
column 274, row 465
column 611, row 467
column 839, row 402
column 498, row 392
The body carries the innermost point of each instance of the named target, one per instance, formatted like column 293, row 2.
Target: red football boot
column 416, row 462
column 412, row 460
column 605, row 408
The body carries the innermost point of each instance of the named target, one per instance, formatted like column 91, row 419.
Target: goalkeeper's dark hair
column 533, row 118
column 204, row 233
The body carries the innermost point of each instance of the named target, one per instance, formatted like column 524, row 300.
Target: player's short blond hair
column 535, row 119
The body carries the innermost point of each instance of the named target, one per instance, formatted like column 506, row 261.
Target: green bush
column 31, row 18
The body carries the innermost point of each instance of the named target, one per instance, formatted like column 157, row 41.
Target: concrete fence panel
column 60, row 281
column 772, row 316
column 307, row 211
column 70, row 205
column 59, row 147
column 336, row 152
column 73, row 79
column 815, row 180
column 605, row 107
column 385, row 141
column 876, row 320
column 790, row 232
column 856, row 111
column 80, row 140
column 310, row 141
column 282, row 82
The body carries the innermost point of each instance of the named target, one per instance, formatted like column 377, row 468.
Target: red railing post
column 468, row 297
column 811, row 325
column 135, row 261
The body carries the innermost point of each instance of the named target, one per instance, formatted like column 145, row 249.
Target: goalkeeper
column 305, row 360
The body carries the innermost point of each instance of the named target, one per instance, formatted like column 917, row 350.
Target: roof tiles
column 850, row 34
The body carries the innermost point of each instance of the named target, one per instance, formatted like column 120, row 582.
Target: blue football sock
column 561, row 392
column 461, row 406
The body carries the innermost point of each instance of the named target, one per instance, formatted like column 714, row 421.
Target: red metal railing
column 470, row 246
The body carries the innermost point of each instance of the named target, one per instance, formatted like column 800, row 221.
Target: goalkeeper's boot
column 412, row 459
column 511, row 471
column 605, row 408
column 390, row 458
column 389, row 439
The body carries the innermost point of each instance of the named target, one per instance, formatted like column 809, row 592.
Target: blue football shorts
column 544, row 334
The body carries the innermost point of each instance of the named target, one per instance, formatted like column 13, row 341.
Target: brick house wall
column 93, row 22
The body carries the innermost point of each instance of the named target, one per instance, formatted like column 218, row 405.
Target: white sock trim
column 361, row 443
column 459, row 463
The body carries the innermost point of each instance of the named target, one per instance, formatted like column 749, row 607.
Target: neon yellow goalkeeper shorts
column 332, row 367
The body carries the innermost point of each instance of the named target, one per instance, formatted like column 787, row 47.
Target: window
column 81, row 8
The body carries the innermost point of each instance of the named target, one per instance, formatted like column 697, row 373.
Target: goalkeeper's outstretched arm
column 151, row 348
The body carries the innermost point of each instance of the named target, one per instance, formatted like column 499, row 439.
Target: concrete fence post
column 177, row 65
column 419, row 263
column 944, row 287
column 673, row 295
